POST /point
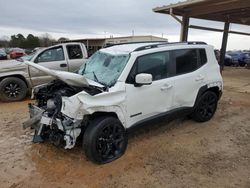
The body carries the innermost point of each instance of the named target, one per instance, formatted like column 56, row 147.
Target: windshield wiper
column 96, row 79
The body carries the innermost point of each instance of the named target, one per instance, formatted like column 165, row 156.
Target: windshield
column 27, row 57
column 104, row 68
column 2, row 52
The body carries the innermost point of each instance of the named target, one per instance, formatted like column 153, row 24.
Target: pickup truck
column 17, row 78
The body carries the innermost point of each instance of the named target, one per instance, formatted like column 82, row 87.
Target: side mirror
column 143, row 79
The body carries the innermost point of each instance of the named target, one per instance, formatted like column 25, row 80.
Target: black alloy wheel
column 206, row 107
column 105, row 140
column 12, row 89
column 110, row 141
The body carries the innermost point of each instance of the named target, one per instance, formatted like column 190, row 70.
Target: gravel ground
column 181, row 153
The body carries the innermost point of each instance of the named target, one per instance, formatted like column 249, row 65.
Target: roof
column 138, row 36
column 124, row 37
column 135, row 47
column 125, row 48
column 234, row 11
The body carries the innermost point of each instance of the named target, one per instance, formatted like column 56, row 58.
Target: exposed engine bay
column 46, row 117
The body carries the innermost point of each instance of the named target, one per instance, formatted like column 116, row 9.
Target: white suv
column 121, row 87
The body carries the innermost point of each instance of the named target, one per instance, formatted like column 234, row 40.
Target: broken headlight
column 51, row 104
column 54, row 104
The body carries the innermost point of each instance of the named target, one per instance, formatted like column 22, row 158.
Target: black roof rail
column 167, row 44
column 142, row 42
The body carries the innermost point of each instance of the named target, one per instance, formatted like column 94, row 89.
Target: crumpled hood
column 11, row 64
column 69, row 78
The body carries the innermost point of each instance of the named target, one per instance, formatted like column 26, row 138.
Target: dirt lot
column 179, row 154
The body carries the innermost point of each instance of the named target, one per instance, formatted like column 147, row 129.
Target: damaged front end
column 47, row 119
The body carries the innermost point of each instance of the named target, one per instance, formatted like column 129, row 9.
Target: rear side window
column 74, row 52
column 203, row 57
column 186, row 61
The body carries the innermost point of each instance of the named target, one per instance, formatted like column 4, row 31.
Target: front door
column 149, row 100
column 52, row 58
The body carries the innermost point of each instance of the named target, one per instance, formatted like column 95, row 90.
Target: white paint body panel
column 127, row 101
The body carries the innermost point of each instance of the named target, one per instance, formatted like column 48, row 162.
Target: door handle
column 63, row 65
column 200, row 78
column 166, row 87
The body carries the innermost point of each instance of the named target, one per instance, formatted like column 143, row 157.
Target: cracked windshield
column 104, row 68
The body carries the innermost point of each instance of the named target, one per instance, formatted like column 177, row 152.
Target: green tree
column 32, row 41
column 17, row 41
column 13, row 41
column 47, row 40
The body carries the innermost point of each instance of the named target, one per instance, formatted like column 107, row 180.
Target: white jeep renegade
column 121, row 87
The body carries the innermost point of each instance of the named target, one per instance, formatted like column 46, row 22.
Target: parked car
column 121, row 87
column 17, row 78
column 28, row 51
column 228, row 58
column 8, row 50
column 238, row 58
column 3, row 55
column 16, row 53
column 37, row 49
column 247, row 57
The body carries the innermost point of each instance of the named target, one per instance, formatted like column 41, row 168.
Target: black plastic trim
column 167, row 116
column 168, row 44
column 136, row 114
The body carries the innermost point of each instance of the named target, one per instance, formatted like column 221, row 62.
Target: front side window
column 155, row 64
column 186, row 61
column 53, row 54
column 104, row 68
column 74, row 51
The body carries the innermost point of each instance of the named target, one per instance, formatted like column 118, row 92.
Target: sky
column 76, row 19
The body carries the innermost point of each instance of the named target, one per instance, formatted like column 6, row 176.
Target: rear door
column 76, row 56
column 52, row 58
column 190, row 75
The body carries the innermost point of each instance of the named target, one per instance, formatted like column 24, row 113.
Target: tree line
column 30, row 41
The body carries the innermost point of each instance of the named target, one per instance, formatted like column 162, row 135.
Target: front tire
column 12, row 89
column 105, row 140
column 206, row 107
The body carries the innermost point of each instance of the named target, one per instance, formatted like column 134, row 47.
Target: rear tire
column 12, row 89
column 206, row 107
column 105, row 140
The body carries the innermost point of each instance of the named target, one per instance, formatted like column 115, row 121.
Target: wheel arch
column 16, row 76
column 116, row 113
column 204, row 89
column 103, row 113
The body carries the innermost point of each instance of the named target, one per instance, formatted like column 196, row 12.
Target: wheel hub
column 12, row 90
column 110, row 141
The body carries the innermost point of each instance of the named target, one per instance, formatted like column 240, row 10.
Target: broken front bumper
column 35, row 117
column 63, row 130
column 34, row 122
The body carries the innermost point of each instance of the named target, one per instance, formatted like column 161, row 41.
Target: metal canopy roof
column 233, row 11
